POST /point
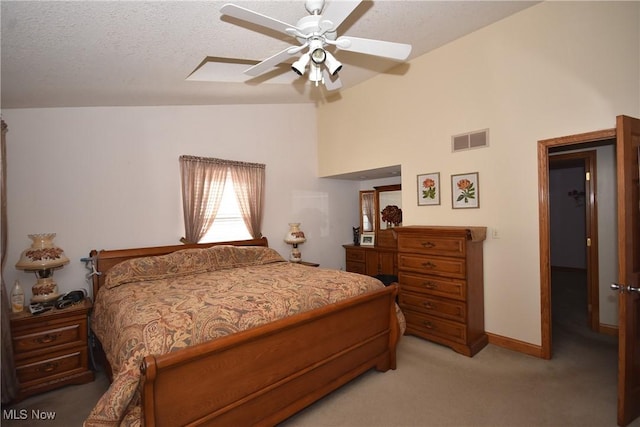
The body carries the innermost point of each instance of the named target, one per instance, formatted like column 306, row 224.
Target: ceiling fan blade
column 330, row 84
column 272, row 61
column 398, row 51
column 337, row 11
column 254, row 17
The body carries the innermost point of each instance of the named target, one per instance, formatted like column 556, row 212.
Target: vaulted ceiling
column 120, row 53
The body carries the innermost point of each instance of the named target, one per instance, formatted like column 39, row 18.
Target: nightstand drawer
column 448, row 309
column 51, row 366
column 433, row 285
column 48, row 338
column 51, row 349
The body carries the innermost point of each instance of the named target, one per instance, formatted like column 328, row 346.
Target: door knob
column 616, row 287
column 622, row 288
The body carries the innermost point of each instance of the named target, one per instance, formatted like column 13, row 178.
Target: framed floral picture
column 429, row 189
column 465, row 191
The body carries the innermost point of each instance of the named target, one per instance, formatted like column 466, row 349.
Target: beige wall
column 555, row 69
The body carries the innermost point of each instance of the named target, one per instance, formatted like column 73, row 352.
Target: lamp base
column 45, row 290
column 45, row 298
column 295, row 255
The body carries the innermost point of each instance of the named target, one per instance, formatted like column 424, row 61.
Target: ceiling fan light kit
column 333, row 65
column 315, row 74
column 316, row 32
column 300, row 66
column 318, row 55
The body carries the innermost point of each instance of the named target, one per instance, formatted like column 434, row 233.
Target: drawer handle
column 49, row 367
column 428, row 304
column 47, row 339
column 428, row 325
column 430, row 285
column 428, row 245
column 428, row 264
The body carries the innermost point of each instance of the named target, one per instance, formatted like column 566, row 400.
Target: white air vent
column 467, row 141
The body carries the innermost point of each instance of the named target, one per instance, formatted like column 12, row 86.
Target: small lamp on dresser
column 42, row 257
column 294, row 237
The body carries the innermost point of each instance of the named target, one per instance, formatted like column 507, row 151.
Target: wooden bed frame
column 263, row 375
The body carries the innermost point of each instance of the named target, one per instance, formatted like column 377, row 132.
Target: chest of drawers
column 440, row 271
column 51, row 349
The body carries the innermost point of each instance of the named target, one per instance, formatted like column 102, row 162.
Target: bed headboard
column 105, row 259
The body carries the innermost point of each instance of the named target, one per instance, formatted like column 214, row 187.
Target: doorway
column 626, row 135
column 579, row 145
column 574, row 239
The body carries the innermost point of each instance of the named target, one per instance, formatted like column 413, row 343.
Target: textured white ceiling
column 110, row 53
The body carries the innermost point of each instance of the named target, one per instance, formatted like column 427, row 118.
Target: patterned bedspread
column 161, row 304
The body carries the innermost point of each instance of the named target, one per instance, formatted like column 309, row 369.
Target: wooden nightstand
column 51, row 349
column 309, row 264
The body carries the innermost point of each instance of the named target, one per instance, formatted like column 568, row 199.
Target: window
column 221, row 199
column 228, row 223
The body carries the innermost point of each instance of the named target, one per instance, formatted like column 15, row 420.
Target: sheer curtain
column 203, row 182
column 9, row 381
column 248, row 183
column 367, row 208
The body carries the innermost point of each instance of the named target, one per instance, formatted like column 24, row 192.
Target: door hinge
column 587, row 176
column 589, row 241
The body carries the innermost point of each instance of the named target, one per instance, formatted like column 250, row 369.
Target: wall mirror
column 389, row 196
column 367, row 211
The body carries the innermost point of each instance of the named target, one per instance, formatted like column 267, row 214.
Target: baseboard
column 563, row 268
column 608, row 329
column 515, row 345
column 536, row 350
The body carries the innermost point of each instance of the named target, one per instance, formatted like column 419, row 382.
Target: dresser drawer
column 435, row 327
column 51, row 366
column 30, row 340
column 433, row 285
column 447, row 309
column 356, row 267
column 357, row 255
column 432, row 245
column 448, row 267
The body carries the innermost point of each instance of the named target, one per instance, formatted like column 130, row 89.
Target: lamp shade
column 42, row 257
column 294, row 237
column 42, row 254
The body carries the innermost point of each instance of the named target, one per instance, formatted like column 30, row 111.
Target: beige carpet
column 434, row 386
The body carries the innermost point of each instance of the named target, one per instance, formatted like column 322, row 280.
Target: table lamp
column 294, row 237
column 42, row 258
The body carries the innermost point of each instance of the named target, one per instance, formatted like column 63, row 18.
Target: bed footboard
column 264, row 375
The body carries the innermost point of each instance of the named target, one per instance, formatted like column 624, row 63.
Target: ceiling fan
column 315, row 33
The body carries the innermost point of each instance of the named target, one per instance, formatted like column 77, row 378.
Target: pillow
column 223, row 257
column 189, row 261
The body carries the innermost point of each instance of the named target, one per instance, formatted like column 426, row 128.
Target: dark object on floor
column 387, row 279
